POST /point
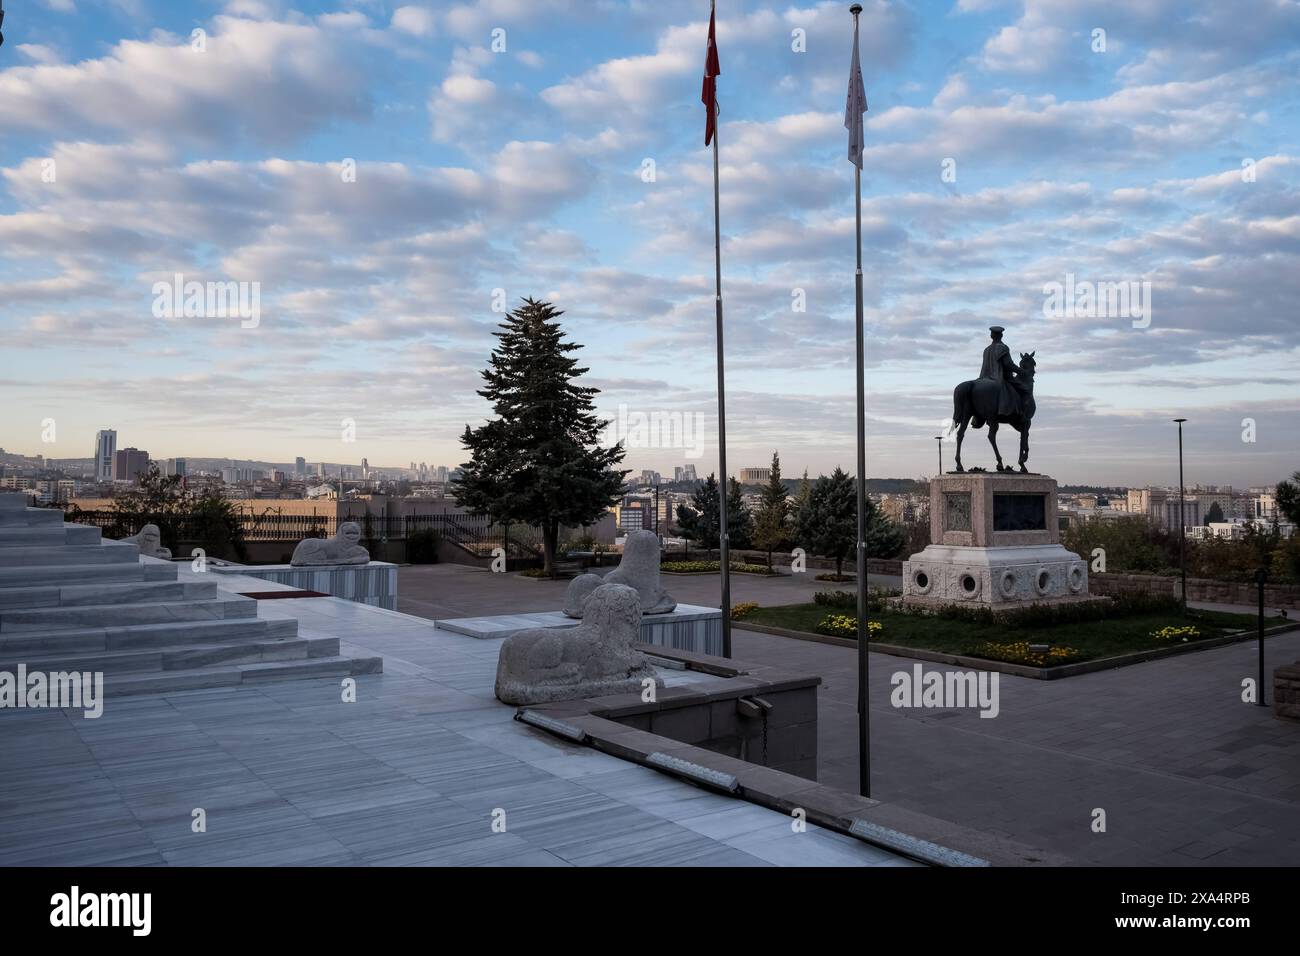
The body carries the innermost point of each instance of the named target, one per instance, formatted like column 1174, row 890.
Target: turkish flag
column 709, row 94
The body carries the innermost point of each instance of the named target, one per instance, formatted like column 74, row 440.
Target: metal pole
column 864, row 724
column 724, row 554
column 1182, row 517
column 1260, row 576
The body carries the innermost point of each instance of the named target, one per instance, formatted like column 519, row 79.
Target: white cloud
column 39, row 53
column 417, row 21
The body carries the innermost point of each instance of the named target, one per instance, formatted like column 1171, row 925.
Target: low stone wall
column 374, row 583
column 732, row 724
column 1198, row 589
column 1286, row 691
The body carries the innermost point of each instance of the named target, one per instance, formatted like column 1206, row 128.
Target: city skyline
column 413, row 163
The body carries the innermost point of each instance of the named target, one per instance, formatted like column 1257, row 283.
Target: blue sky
column 521, row 169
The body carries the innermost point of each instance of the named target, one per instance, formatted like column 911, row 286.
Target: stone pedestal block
column 996, row 544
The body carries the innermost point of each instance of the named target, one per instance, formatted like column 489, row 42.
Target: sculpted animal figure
column 343, row 548
column 1002, row 395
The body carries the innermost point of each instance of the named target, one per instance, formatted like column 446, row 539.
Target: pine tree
column 538, row 462
column 740, row 523
column 771, row 525
column 832, row 528
column 699, row 522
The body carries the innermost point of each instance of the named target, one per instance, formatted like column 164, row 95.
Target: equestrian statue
column 1002, row 395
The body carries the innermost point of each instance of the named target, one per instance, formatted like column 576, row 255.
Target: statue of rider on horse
column 1002, row 395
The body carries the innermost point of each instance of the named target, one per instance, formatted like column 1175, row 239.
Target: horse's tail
column 960, row 404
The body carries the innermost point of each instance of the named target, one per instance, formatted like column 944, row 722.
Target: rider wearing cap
column 999, row 368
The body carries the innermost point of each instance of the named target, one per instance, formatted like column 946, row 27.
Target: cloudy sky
column 382, row 169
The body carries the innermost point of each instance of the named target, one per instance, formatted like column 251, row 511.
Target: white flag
column 856, row 105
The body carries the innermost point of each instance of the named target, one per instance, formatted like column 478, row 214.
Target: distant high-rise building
column 365, row 468
column 105, row 449
column 1151, row 502
column 129, row 464
column 176, row 466
column 650, row 477
column 1191, row 513
column 320, row 470
column 684, row 473
column 300, row 468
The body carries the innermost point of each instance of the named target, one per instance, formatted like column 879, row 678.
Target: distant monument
column 995, row 536
column 593, row 659
column 343, row 548
column 149, row 540
column 1002, row 395
column 638, row 568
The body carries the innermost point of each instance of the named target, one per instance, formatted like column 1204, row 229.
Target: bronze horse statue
column 976, row 402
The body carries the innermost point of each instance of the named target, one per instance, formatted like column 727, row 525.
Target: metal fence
column 476, row 533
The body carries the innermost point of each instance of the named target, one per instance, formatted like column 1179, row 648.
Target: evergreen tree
column 740, row 523
column 699, row 522
column 538, row 462
column 1288, row 498
column 832, row 521
column 771, row 525
column 1214, row 515
column 827, row 522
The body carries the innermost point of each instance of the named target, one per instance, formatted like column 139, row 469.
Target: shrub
column 877, row 599
column 740, row 610
column 1018, row 652
column 699, row 567
column 422, row 546
column 1128, row 604
column 846, row 625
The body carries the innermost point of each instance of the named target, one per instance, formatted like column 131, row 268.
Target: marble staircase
column 73, row 601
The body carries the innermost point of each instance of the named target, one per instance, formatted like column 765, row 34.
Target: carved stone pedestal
column 996, row 543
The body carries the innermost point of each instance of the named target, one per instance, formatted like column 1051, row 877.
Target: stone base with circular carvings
column 996, row 577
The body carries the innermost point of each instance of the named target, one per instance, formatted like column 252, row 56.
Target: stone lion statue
column 638, row 568
column 594, row 659
column 343, row 548
column 149, row 540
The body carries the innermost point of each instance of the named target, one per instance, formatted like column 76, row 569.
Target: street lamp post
column 1182, row 517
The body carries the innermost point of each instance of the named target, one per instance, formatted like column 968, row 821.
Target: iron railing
column 476, row 533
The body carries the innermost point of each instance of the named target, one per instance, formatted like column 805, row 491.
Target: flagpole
column 724, row 547
column 864, row 725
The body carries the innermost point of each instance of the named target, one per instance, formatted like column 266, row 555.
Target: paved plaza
column 412, row 773
column 1185, row 772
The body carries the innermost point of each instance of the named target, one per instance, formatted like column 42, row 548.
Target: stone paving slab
column 410, row 774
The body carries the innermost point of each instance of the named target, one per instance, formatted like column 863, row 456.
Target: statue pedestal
column 996, row 544
column 374, row 583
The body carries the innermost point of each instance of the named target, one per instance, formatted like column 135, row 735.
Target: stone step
column 18, row 518
column 157, row 660
column 124, row 592
column 107, row 552
column 226, row 607
column 262, row 673
column 179, row 634
column 78, row 595
column 54, row 575
column 53, row 535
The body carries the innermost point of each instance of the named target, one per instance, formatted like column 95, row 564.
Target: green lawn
column 1091, row 639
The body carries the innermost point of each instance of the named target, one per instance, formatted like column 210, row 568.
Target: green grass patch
column 1009, row 640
